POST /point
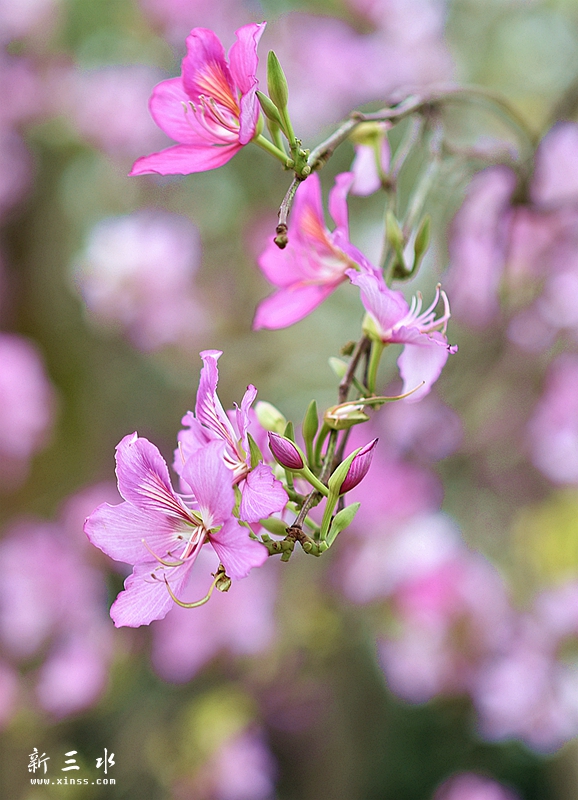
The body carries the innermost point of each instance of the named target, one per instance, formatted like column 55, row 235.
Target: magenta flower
column 285, row 452
column 211, row 109
column 314, row 262
column 359, row 467
column 261, row 494
column 425, row 346
column 161, row 532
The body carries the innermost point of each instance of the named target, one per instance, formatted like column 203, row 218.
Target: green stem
column 265, row 144
column 374, row 359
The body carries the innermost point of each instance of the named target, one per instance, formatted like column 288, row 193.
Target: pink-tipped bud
column 358, row 468
column 286, row 452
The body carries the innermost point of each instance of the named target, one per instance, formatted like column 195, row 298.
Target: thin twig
column 281, row 239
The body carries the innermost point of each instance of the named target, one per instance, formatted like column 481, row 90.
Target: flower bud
column 270, row 417
column 394, row 232
column 276, row 82
column 344, row 416
column 286, row 452
column 269, row 108
column 359, row 467
column 367, row 133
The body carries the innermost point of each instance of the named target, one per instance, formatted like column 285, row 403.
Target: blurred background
column 434, row 652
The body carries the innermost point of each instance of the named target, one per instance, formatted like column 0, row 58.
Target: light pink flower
column 553, row 427
column 211, row 109
column 27, row 403
column 53, row 607
column 243, row 768
column 261, row 494
column 315, row 261
column 425, row 346
column 161, row 532
column 468, row 786
column 371, row 162
column 499, row 241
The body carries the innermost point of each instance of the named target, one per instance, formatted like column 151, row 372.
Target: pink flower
column 27, row 403
column 52, row 610
column 211, row 109
column 314, row 262
column 425, row 346
column 261, row 494
column 371, row 162
column 161, row 532
column 553, row 428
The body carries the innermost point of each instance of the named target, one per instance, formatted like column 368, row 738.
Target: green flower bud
column 270, row 417
column 344, row 416
column 276, row 82
column 269, row 108
column 394, row 233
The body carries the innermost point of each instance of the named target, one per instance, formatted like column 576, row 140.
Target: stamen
column 197, row 603
column 162, row 560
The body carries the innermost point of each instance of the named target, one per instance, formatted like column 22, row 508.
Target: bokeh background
column 433, row 652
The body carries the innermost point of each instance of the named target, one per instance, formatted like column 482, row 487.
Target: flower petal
column 184, row 159
column 146, row 598
column 205, row 70
column 237, row 552
column 211, row 481
column 170, row 109
column 422, row 361
column 387, row 307
column 338, row 200
column 119, row 532
column 262, row 495
column 288, row 306
column 243, row 56
column 209, row 410
column 143, row 478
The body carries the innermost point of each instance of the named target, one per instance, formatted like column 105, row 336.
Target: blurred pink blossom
column 137, row 273
column 469, row 786
column 27, row 18
column 553, row 428
column 371, row 163
column 53, row 605
column 448, row 618
column 27, row 404
column 526, row 693
column 501, row 242
column 244, row 769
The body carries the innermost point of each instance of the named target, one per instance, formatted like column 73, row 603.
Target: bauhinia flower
column 261, row 493
column 211, row 109
column 161, row 532
column 316, row 259
column 372, row 157
column 391, row 321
